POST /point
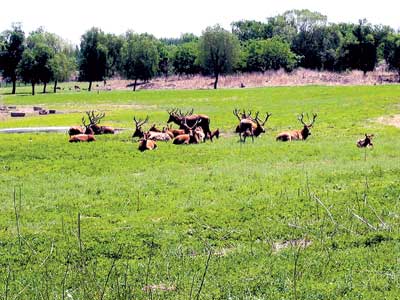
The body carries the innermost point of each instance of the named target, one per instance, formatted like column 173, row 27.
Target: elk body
column 82, row 138
column 191, row 137
column 249, row 126
column 366, row 142
column 178, row 117
column 94, row 120
column 146, row 144
column 297, row 134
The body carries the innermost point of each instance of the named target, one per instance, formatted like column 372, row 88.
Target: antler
column 300, row 118
column 95, row 119
column 314, row 117
column 190, row 128
column 236, row 113
column 266, row 118
column 140, row 122
column 84, row 122
column 172, row 111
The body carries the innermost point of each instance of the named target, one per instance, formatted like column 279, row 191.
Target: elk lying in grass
column 178, row 117
column 146, row 144
column 297, row 134
column 94, row 120
column 366, row 142
column 74, row 130
column 191, row 137
column 138, row 127
column 249, row 126
column 163, row 135
column 82, row 138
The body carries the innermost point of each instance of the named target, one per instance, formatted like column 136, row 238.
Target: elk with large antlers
column 366, row 142
column 297, row 134
column 138, row 127
column 178, row 117
column 191, row 137
column 94, row 120
column 249, row 126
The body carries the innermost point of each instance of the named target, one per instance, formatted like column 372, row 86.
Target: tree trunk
column 14, row 83
column 33, row 89
column 216, row 80
column 55, row 86
column 44, row 88
column 134, row 85
column 90, row 86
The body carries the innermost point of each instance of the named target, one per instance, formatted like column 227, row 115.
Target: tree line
column 296, row 38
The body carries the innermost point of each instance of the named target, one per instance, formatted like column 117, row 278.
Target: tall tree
column 271, row 54
column 392, row 52
column 13, row 42
column 218, row 51
column 93, row 56
column 184, row 59
column 140, row 57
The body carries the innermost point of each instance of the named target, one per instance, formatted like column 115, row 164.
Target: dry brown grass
column 270, row 78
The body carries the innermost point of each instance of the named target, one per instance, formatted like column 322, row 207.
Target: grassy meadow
column 315, row 219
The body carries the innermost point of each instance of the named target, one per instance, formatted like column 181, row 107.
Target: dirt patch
column 390, row 120
column 159, row 287
column 279, row 246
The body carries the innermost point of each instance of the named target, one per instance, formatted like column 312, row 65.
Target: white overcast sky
column 170, row 18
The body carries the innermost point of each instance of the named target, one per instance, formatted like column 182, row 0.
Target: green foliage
column 151, row 219
column 184, row 59
column 93, row 56
column 12, row 45
column 218, row 51
column 140, row 57
column 392, row 52
column 247, row 30
column 271, row 54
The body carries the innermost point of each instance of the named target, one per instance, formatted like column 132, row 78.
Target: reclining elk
column 297, row 134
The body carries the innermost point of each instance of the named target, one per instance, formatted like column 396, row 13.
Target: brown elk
column 138, row 127
column 175, row 132
column 82, row 138
column 366, row 142
column 94, row 120
column 297, row 134
column 74, row 130
column 249, row 126
column 178, row 117
column 146, row 144
column 154, row 128
column 192, row 137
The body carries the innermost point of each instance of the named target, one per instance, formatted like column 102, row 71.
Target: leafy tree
column 93, row 56
column 33, row 64
column 184, row 59
column 218, row 51
column 164, row 60
column 271, row 54
column 304, row 19
column 359, row 51
column 250, row 30
column 140, row 57
column 45, row 45
column 62, row 65
column 392, row 52
column 318, row 47
column 13, row 46
column 114, row 45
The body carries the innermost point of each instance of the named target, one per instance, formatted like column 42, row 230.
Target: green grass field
column 317, row 219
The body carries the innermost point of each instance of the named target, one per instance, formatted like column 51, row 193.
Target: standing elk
column 192, row 137
column 297, row 134
column 249, row 126
column 366, row 142
column 94, row 120
column 178, row 117
column 146, row 144
column 82, row 138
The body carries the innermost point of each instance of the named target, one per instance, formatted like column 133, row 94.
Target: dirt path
column 393, row 120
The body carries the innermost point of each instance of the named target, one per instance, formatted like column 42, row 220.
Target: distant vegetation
column 296, row 38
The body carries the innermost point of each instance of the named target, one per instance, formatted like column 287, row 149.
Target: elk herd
column 193, row 129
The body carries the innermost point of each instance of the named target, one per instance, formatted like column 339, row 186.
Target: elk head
column 146, row 144
column 138, row 127
column 260, row 124
column 94, row 121
column 193, row 135
column 305, row 132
